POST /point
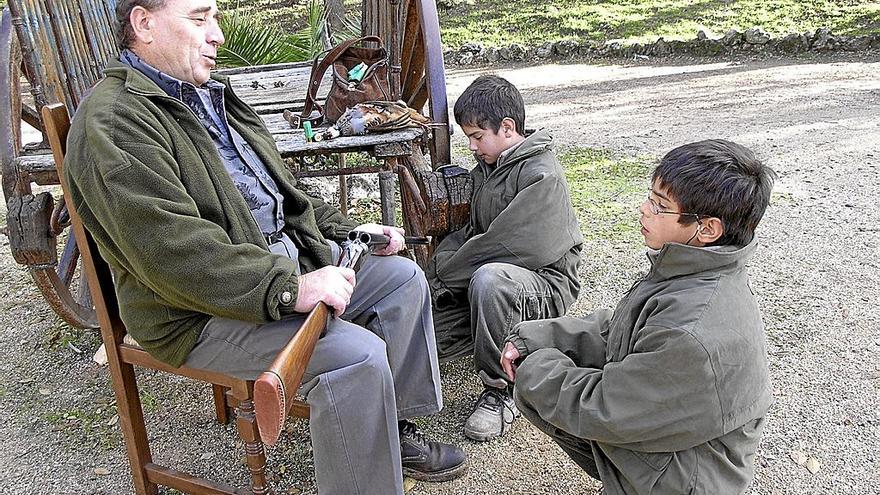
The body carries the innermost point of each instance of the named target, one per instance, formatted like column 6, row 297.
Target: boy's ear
column 711, row 230
column 508, row 127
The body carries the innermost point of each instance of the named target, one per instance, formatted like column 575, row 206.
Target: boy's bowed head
column 492, row 115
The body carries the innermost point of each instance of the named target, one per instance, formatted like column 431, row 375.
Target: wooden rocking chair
column 284, row 375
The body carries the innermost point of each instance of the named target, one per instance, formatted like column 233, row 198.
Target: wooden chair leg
column 246, row 421
column 221, row 404
column 131, row 422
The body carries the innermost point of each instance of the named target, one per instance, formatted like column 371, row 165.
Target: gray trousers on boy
column 377, row 363
column 578, row 449
column 499, row 296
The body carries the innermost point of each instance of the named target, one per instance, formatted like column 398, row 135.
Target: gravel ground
column 815, row 121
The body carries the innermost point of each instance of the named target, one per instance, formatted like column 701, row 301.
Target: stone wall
column 752, row 41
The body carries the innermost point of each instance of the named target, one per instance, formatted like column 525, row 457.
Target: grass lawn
column 533, row 22
column 605, row 191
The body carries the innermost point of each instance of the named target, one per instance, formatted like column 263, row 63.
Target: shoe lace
column 496, row 400
column 411, row 432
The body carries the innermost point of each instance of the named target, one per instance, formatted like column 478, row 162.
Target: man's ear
column 508, row 127
column 711, row 230
column 142, row 23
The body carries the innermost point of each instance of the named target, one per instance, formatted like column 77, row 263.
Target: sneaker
column 424, row 460
column 493, row 415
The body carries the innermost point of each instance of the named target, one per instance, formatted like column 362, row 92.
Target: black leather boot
column 424, row 460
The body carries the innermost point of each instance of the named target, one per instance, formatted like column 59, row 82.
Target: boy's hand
column 508, row 355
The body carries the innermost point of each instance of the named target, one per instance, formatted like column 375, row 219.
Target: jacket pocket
column 535, row 306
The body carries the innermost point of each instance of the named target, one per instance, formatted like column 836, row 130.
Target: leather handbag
column 345, row 93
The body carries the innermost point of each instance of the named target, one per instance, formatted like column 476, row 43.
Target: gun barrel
column 380, row 240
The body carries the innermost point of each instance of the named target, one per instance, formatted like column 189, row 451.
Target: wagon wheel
column 422, row 75
column 32, row 238
column 416, row 60
column 411, row 29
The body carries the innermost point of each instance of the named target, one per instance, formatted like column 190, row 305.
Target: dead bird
column 376, row 116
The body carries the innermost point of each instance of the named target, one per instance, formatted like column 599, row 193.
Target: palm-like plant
column 249, row 41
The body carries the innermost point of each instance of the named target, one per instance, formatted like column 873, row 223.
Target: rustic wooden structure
column 60, row 49
column 123, row 357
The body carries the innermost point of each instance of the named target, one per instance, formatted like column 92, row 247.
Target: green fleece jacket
column 520, row 214
column 672, row 389
column 148, row 182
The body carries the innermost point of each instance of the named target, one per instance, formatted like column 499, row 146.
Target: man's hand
column 508, row 355
column 395, row 234
column 331, row 285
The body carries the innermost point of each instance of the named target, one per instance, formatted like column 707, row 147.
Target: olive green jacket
column 671, row 390
column 148, row 182
column 521, row 214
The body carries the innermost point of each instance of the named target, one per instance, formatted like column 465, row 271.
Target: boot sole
column 446, row 475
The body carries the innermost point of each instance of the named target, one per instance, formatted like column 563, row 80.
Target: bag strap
column 320, row 68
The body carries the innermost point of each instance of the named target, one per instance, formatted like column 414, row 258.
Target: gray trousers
column 499, row 296
column 580, row 450
column 377, row 363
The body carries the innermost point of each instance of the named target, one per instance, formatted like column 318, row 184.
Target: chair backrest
column 97, row 272
column 65, row 45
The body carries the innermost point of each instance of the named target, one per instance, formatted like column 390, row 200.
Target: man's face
column 486, row 144
column 182, row 40
column 663, row 227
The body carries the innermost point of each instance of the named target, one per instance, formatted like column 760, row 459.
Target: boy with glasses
column 667, row 394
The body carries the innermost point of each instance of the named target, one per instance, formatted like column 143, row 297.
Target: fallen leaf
column 112, row 421
column 207, row 455
column 813, row 465
column 102, row 471
column 798, row 457
column 45, row 391
column 408, row 484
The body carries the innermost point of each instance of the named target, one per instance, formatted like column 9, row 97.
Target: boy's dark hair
column 124, row 31
column 488, row 101
column 720, row 179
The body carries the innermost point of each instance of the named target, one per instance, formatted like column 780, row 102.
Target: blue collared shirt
column 248, row 172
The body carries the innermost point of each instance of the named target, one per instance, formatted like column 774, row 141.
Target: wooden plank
column 40, row 168
column 276, row 86
column 185, row 482
column 291, row 144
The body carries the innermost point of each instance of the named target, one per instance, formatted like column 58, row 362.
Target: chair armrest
column 276, row 386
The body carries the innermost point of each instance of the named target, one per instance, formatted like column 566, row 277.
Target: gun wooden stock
column 280, row 382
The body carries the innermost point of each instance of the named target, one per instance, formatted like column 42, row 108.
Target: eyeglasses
column 655, row 209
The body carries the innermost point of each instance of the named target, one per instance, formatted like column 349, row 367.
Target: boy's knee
column 487, row 277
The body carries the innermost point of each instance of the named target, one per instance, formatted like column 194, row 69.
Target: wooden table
column 271, row 89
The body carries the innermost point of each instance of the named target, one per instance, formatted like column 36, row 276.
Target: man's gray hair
column 124, row 30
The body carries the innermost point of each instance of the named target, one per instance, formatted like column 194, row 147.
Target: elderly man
column 217, row 257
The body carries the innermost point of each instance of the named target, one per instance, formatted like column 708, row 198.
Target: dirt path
column 816, row 122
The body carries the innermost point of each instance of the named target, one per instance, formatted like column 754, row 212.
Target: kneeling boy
column 517, row 257
column 667, row 394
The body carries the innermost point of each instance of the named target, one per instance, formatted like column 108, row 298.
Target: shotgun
column 275, row 386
